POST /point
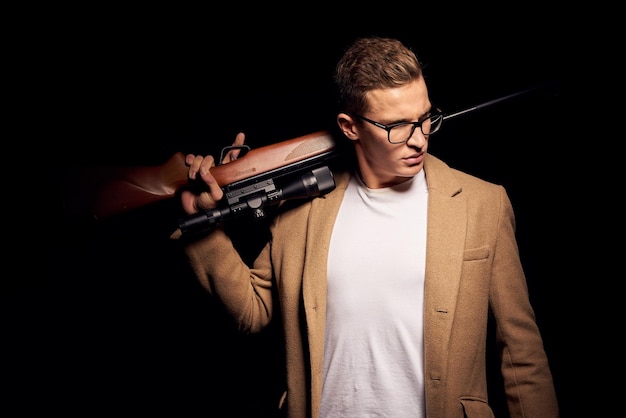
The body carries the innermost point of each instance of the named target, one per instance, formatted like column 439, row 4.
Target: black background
column 103, row 316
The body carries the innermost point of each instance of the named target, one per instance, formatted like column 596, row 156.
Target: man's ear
column 348, row 126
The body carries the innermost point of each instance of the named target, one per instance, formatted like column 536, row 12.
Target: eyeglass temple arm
column 498, row 100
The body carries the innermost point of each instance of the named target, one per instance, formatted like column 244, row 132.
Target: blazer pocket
column 481, row 253
column 476, row 408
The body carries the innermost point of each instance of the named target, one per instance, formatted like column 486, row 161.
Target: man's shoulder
column 440, row 174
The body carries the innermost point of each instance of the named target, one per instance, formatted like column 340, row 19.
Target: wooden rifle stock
column 140, row 186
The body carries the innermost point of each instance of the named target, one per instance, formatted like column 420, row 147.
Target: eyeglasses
column 399, row 133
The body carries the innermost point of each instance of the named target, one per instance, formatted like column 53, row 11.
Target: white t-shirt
column 373, row 349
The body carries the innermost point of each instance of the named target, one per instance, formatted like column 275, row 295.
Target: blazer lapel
column 447, row 220
column 319, row 230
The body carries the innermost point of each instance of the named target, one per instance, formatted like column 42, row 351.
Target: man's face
column 381, row 163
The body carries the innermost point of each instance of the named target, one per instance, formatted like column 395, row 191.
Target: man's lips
column 414, row 159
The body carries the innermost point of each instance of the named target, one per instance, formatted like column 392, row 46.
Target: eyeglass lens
column 402, row 133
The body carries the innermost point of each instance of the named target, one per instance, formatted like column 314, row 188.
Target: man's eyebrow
column 419, row 119
column 426, row 114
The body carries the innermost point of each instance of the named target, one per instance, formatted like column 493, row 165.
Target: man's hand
column 200, row 169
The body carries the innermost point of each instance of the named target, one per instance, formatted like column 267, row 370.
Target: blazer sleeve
column 245, row 293
column 527, row 378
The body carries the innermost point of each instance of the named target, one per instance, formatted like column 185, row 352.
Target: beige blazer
column 472, row 267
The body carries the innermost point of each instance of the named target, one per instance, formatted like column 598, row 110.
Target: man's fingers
column 200, row 168
column 198, row 163
column 233, row 154
column 239, row 139
column 204, row 201
column 193, row 202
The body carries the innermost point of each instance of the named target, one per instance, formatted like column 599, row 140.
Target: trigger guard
column 229, row 148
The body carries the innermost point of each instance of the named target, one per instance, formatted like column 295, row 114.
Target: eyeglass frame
column 388, row 128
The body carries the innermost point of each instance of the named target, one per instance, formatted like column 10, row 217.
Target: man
column 385, row 285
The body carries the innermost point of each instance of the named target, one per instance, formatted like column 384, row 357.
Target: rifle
column 291, row 169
